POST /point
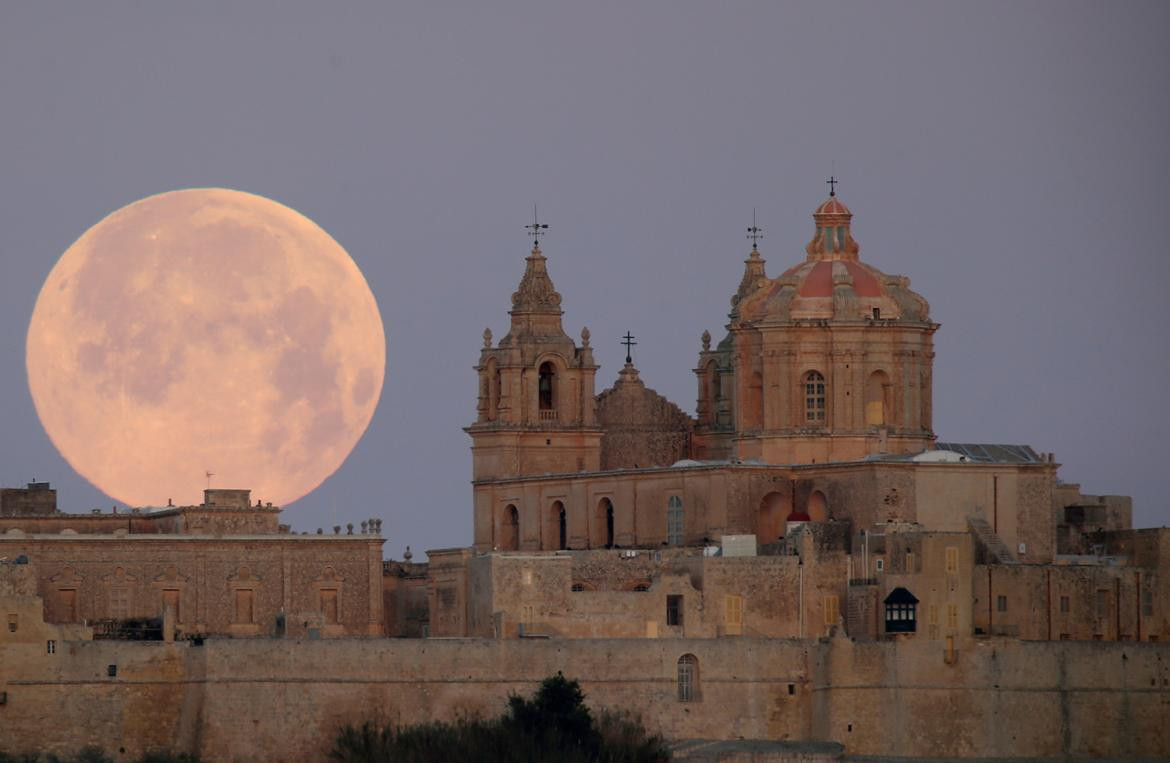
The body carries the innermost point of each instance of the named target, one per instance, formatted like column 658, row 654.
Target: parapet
column 224, row 498
column 38, row 499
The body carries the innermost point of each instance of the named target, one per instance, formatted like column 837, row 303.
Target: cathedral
column 801, row 560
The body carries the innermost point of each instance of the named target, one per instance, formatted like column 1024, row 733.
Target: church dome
column 833, row 283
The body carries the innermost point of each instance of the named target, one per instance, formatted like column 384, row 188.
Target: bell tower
column 536, row 410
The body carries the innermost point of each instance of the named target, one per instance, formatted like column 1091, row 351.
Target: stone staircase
column 994, row 549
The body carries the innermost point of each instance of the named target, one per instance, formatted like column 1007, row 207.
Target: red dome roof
column 817, row 278
column 832, row 206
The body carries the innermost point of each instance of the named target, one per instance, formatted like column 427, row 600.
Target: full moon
column 205, row 330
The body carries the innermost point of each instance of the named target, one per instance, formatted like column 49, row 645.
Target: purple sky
column 1007, row 157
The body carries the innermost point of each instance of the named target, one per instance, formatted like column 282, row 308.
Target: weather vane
column 537, row 228
column 755, row 233
column 832, row 181
column 628, row 341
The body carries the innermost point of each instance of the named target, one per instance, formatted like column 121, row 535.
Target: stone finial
column 407, row 555
column 320, row 531
column 349, row 528
column 337, row 529
column 365, row 527
column 487, row 337
column 585, row 336
column 536, row 292
column 706, row 340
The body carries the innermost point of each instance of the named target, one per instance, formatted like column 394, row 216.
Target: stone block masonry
column 260, row 699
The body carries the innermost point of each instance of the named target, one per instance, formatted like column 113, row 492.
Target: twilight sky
column 1007, row 157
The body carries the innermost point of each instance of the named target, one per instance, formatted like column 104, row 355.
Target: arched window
column 545, row 388
column 818, row 507
column 562, row 520
column 770, row 522
column 510, row 530
column 602, row 532
column 688, row 678
column 877, row 399
column 814, row 398
column 674, row 521
column 608, row 525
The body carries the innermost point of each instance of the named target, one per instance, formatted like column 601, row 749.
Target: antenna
column 208, row 474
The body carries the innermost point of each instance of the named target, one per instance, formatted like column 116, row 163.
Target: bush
column 554, row 725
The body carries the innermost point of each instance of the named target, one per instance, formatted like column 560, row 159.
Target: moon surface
column 205, row 330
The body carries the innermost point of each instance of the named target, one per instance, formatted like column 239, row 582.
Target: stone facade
column 221, row 568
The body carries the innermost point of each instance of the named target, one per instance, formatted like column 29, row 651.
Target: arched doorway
column 770, row 520
column 604, row 526
column 562, row 524
column 510, row 529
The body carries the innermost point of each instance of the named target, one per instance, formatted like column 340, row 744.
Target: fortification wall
column 237, row 700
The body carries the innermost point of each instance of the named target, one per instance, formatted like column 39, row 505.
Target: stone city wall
column 237, row 700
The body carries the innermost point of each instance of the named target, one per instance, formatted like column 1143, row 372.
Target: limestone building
column 802, row 559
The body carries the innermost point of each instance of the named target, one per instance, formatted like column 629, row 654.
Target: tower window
column 545, row 386
column 674, row 610
column 814, row 397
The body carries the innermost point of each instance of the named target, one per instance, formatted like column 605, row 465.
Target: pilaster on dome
column 833, row 239
column 536, row 293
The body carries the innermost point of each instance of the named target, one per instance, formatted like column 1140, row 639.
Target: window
column 1148, row 603
column 814, row 398
column 674, row 610
column 909, row 561
column 329, row 606
column 832, row 610
column 933, row 620
column 510, row 531
column 50, row 647
column 12, row 623
column 901, row 611
column 1102, row 602
column 642, row 587
column 120, row 602
column 953, row 616
column 1064, row 605
column 545, row 386
column 171, row 601
column 879, row 564
column 952, row 560
column 243, row 613
column 674, row 521
column 1001, row 603
column 577, row 587
column 688, row 678
column 562, row 521
column 733, row 615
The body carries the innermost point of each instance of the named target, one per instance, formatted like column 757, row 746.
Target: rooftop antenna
column 628, row 341
column 755, row 233
column 208, row 474
column 537, row 227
